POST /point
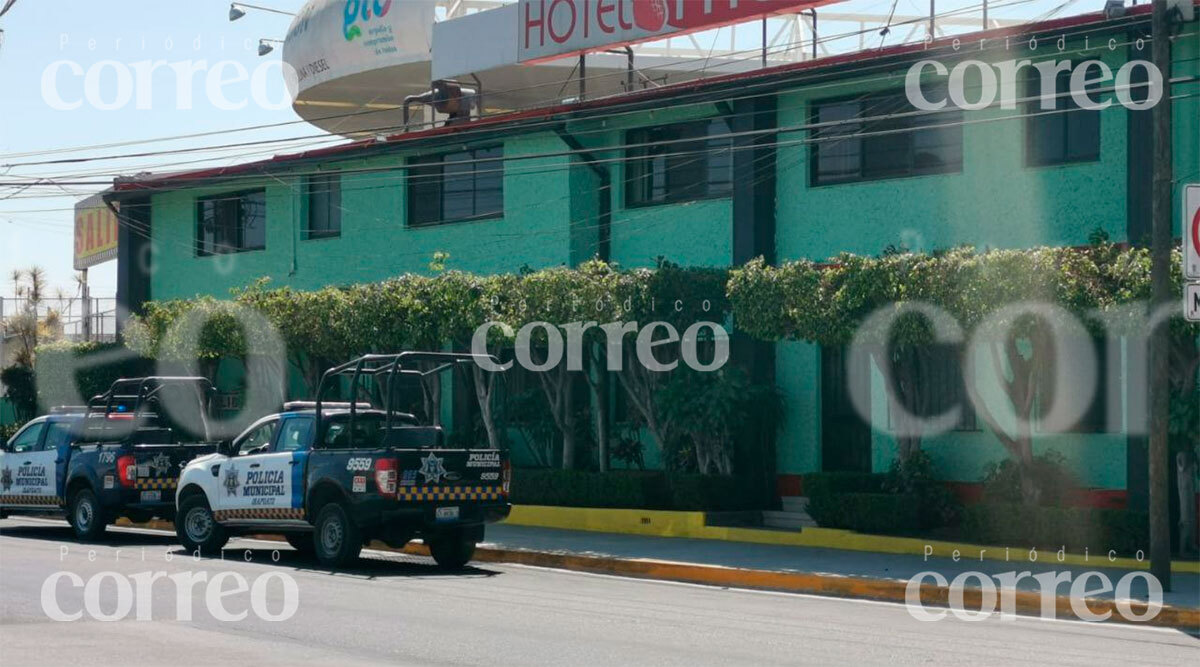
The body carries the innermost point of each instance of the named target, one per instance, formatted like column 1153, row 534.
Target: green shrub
column 21, row 389
column 824, row 489
column 65, row 375
column 712, row 493
column 1047, row 472
column 579, row 488
column 891, row 503
column 879, row 513
column 1052, row 528
column 916, row 475
column 630, row 489
column 822, row 483
column 9, row 430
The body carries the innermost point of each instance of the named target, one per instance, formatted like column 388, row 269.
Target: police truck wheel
column 337, row 539
column 451, row 551
column 197, row 529
column 302, row 542
column 87, row 516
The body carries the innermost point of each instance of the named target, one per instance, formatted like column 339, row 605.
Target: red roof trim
column 649, row 94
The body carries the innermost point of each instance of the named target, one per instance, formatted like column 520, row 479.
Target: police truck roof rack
column 142, row 392
column 295, row 406
column 68, row 409
column 389, row 366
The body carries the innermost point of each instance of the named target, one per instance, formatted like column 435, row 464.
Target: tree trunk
column 209, row 368
column 597, row 379
column 568, row 424
column 485, row 384
column 560, row 394
column 911, row 389
column 431, row 393
column 1185, row 476
column 640, row 385
column 1020, row 390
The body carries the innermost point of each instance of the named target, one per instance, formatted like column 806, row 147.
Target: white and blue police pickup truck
column 119, row 456
column 331, row 477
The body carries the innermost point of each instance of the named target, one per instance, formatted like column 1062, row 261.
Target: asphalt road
column 398, row 610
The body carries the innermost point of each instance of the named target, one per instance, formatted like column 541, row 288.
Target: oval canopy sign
column 331, row 39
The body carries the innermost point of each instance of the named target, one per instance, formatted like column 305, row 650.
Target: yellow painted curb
column 658, row 523
column 889, row 590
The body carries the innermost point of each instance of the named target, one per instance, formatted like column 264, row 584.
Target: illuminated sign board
column 95, row 233
column 556, row 28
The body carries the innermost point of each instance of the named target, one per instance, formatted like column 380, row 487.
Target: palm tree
column 29, row 324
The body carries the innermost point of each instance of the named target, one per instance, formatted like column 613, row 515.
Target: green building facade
column 822, row 158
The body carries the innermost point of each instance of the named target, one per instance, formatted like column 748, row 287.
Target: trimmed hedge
column 1052, row 528
column 821, row 484
column 879, row 513
column 631, row 489
column 856, row 501
column 65, row 377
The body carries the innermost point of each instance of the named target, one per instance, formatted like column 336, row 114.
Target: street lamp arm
column 261, row 9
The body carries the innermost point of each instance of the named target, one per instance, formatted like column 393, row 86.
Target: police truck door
column 28, row 471
column 256, row 483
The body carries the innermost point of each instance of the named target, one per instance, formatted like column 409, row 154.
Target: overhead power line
column 464, row 134
column 751, row 54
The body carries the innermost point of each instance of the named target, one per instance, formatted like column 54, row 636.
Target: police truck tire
column 302, row 542
column 452, row 551
column 337, row 540
column 198, row 529
column 87, row 516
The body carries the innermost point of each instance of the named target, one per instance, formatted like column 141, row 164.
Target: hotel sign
column 556, row 28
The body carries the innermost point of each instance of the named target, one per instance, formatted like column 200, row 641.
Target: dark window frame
column 215, row 246
column 1094, row 420
column 950, row 377
column 1066, row 113
column 656, row 147
column 427, row 181
column 328, row 199
column 902, row 128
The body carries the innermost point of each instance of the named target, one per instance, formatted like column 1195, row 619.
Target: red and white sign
column 1191, row 232
column 556, row 28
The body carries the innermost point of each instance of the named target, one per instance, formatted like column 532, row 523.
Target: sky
column 102, row 39
column 39, row 33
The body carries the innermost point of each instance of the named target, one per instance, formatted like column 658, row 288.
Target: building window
column 874, row 137
column 455, row 187
column 229, row 223
column 680, row 162
column 1063, row 133
column 323, row 202
column 1095, row 415
column 942, row 382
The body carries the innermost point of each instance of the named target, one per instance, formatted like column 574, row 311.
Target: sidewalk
column 815, row 561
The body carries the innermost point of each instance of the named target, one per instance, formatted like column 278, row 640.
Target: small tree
column 30, row 325
column 713, row 408
column 824, row 304
column 21, row 389
column 680, row 297
column 557, row 298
